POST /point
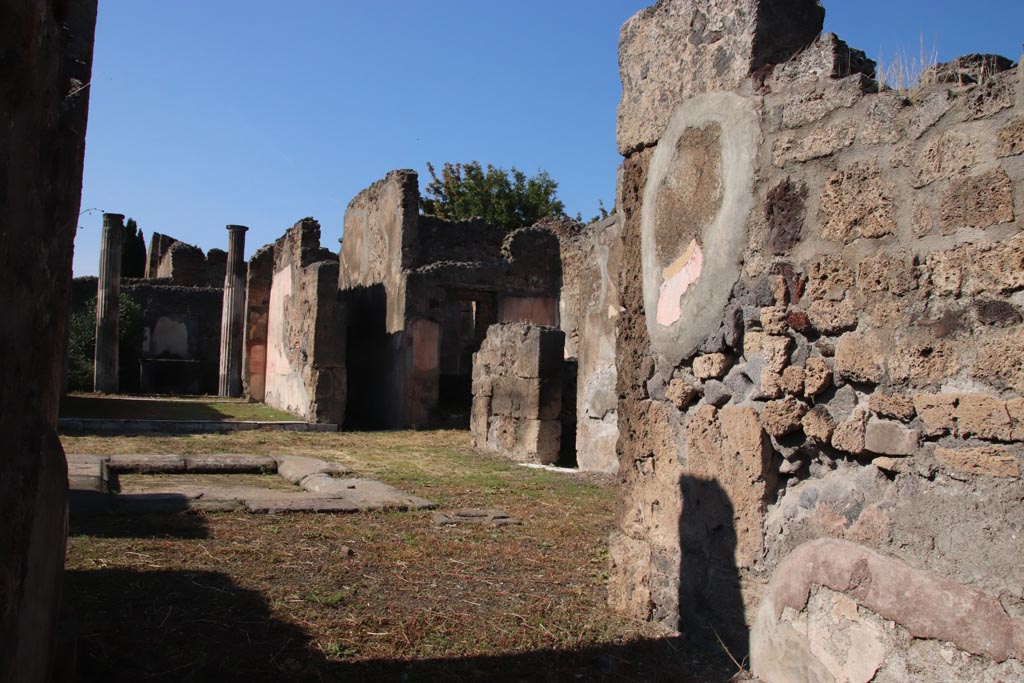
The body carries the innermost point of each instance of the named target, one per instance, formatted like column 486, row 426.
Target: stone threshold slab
column 320, row 486
column 125, row 426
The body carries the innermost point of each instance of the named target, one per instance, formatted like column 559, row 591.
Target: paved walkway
column 319, row 485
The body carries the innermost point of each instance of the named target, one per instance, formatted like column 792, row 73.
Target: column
column 232, row 321
column 108, row 294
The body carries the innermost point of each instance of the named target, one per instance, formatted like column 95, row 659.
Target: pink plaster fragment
column 678, row 278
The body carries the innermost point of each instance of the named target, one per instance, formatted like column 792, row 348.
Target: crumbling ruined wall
column 517, row 392
column 530, row 286
column 393, row 372
column 184, row 265
column 421, row 292
column 158, row 246
column 44, row 99
column 216, row 267
column 597, row 429
column 380, row 231
column 305, row 363
column 821, row 339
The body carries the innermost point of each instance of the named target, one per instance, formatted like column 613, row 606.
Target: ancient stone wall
column 158, row 246
column 597, row 307
column 380, row 231
column 183, row 264
column 258, row 280
column 305, row 362
column 821, row 339
column 517, row 392
column 439, row 240
column 178, row 324
column 216, row 266
column 421, row 292
column 44, row 100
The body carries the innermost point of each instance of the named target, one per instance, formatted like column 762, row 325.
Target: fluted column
column 108, row 294
column 232, row 321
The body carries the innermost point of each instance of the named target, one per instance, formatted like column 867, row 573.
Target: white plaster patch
column 170, row 337
column 683, row 272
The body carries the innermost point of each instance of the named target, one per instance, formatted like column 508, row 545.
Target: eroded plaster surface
column 702, row 170
column 285, row 388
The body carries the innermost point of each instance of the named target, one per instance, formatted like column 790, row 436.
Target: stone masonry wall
column 517, row 392
column 183, row 264
column 822, row 339
column 380, row 231
column 597, row 309
column 305, row 362
column 44, row 105
column 179, row 323
column 423, row 275
column 158, row 246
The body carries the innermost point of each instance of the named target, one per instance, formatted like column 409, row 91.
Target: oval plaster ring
column 721, row 244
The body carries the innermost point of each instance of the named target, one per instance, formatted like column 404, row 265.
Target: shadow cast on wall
column 710, row 600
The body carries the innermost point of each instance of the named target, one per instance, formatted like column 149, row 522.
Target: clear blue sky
column 209, row 112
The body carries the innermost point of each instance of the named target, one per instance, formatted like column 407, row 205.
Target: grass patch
column 96, row 406
column 372, row 596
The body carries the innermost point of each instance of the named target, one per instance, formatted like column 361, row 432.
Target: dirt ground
column 386, row 596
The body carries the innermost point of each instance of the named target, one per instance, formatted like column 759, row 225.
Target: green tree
column 133, row 250
column 82, row 341
column 505, row 198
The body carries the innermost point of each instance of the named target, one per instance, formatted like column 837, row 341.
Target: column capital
column 237, row 228
column 112, row 219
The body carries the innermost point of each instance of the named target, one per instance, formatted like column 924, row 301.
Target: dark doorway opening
column 567, row 452
column 372, row 400
column 465, row 316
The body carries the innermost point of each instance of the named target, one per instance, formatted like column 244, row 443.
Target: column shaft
column 232, row 325
column 108, row 294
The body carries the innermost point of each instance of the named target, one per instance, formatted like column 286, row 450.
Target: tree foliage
column 505, row 198
column 82, row 340
column 133, row 250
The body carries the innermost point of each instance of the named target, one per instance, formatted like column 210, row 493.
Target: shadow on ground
column 88, row 518
column 108, row 407
column 202, row 626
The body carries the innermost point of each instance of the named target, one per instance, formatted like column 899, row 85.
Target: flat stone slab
column 86, row 465
column 88, row 473
column 317, row 488
column 223, row 463
column 295, row 468
column 146, row 464
column 473, row 516
column 366, row 494
column 147, row 503
column 300, row 503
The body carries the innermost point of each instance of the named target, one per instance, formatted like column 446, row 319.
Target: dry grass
column 903, row 71
column 384, row 596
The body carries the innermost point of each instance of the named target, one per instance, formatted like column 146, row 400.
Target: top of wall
column 678, row 48
column 184, row 264
column 300, row 246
